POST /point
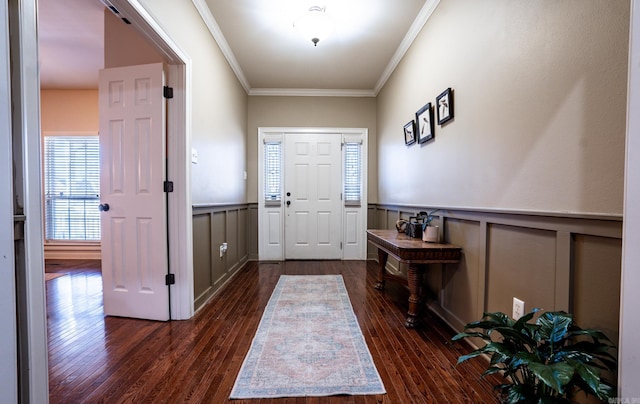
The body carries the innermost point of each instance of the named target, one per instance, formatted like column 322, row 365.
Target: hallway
column 104, row 360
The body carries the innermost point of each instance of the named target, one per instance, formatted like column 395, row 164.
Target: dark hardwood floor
column 97, row 359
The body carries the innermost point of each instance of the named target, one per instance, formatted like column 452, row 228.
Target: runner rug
column 308, row 343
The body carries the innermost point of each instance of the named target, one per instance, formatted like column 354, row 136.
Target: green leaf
column 511, row 333
column 497, row 351
column 522, row 321
column 524, row 359
column 470, row 355
column 605, row 392
column 484, row 325
column 499, row 318
column 491, row 370
column 592, row 333
column 555, row 376
column 519, row 393
column 590, row 375
column 565, row 355
column 554, row 326
column 461, row 335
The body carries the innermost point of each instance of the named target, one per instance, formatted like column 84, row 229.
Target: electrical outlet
column 518, row 308
column 223, row 249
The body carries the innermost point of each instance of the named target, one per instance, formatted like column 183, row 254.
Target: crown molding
column 310, row 92
column 415, row 28
column 214, row 28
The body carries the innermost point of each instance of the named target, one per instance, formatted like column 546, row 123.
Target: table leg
column 414, row 280
column 382, row 260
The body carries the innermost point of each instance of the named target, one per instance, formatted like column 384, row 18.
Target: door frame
column 271, row 218
column 8, row 340
column 628, row 348
column 26, row 89
column 179, row 212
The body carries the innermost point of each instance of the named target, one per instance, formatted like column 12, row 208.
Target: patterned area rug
column 308, row 343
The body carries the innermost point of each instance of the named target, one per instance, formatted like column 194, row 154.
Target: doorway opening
column 179, row 207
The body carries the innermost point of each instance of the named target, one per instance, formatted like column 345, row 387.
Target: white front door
column 134, row 231
column 312, row 195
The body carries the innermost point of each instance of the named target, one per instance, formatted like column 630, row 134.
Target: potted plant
column 545, row 361
column 429, row 233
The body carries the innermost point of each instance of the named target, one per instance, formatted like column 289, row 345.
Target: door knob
column 103, row 207
column 288, row 193
column 288, row 203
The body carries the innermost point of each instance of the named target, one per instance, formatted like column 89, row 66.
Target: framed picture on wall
column 444, row 104
column 409, row 133
column 424, row 123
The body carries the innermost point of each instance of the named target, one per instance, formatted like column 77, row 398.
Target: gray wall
column 212, row 226
column 552, row 262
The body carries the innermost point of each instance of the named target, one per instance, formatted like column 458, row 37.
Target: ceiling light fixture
column 314, row 25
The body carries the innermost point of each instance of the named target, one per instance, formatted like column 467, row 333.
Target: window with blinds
column 352, row 173
column 72, row 187
column 272, row 173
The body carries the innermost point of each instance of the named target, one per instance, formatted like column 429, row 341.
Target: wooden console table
column 415, row 252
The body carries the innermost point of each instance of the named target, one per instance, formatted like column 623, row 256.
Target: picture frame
column 424, row 123
column 444, row 105
column 409, row 133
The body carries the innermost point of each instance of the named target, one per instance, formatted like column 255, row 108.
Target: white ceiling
column 71, row 43
column 258, row 38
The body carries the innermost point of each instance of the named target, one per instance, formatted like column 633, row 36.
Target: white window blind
column 272, row 173
column 352, row 173
column 72, row 187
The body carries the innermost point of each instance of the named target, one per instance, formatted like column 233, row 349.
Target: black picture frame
column 424, row 123
column 444, row 105
column 409, row 133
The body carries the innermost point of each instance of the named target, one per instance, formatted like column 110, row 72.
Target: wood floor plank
column 98, row 359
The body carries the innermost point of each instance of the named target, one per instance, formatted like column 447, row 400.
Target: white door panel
column 313, row 170
column 134, row 236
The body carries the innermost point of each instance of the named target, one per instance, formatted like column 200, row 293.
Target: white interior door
column 134, row 231
column 312, row 195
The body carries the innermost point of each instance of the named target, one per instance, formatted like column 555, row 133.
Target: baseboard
column 72, row 251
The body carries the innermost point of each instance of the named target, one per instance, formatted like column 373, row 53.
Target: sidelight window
column 353, row 174
column 272, row 173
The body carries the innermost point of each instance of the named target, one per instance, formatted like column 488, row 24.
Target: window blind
column 352, row 174
column 272, row 173
column 72, row 187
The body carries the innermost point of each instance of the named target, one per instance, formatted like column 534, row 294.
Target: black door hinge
column 168, row 92
column 168, row 186
column 170, row 279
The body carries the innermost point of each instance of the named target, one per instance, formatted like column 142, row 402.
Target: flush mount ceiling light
column 314, row 25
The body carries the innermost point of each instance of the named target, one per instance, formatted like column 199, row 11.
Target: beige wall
column 124, row 46
column 540, row 101
column 336, row 112
column 218, row 106
column 69, row 111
